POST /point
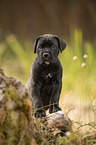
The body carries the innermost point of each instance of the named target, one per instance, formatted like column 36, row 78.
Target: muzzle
column 46, row 55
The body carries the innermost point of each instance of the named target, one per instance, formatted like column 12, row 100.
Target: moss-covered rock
column 15, row 112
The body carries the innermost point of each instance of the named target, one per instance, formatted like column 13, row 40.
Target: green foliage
column 79, row 66
column 15, row 58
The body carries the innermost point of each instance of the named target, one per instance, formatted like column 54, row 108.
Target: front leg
column 37, row 102
column 54, row 100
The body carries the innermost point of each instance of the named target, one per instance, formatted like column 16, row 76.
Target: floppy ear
column 35, row 43
column 61, row 44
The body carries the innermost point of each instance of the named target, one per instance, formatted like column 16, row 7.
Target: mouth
column 46, row 58
column 47, row 62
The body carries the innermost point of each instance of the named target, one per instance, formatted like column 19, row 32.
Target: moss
column 14, row 117
column 1, row 71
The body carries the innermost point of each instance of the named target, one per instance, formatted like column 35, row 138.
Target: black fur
column 45, row 81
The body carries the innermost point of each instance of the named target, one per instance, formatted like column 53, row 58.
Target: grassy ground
column 78, row 97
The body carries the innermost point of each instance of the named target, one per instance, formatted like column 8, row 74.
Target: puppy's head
column 47, row 47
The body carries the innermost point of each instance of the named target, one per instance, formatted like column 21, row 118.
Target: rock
column 15, row 111
column 59, row 121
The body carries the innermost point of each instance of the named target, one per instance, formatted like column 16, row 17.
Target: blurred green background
column 72, row 20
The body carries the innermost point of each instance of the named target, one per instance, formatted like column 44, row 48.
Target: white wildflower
column 85, row 56
column 83, row 64
column 75, row 58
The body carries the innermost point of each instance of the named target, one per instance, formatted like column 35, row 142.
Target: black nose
column 46, row 55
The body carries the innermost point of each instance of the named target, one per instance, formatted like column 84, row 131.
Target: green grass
column 79, row 83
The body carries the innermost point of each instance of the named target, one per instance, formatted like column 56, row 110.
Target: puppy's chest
column 47, row 76
column 50, row 79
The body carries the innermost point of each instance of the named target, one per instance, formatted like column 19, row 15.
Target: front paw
column 40, row 113
column 53, row 109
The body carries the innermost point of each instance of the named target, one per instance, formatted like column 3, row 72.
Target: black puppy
column 45, row 81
